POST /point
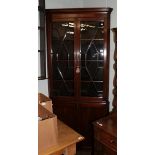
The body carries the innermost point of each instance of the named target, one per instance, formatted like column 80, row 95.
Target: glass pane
column 92, row 89
column 88, row 76
column 92, row 58
column 63, row 70
column 92, row 49
column 63, row 40
column 91, row 29
column 61, row 88
column 63, row 58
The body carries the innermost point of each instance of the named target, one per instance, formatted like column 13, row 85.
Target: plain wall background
column 55, row 4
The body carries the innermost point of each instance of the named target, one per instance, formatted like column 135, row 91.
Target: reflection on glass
column 92, row 54
column 63, row 58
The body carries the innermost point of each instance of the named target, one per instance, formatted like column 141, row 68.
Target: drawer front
column 105, row 138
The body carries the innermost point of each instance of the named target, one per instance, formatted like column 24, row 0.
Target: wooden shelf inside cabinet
column 62, row 80
column 54, row 39
column 91, row 60
column 90, row 81
column 93, row 39
column 62, row 60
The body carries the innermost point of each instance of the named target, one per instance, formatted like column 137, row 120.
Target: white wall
column 55, row 4
column 52, row 4
column 94, row 3
column 43, row 87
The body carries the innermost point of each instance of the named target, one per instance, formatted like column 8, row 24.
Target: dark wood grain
column 105, row 135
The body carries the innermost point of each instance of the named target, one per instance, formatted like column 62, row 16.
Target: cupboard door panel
column 66, row 112
column 87, row 113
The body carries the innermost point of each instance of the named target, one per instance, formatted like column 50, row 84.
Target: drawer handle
column 112, row 141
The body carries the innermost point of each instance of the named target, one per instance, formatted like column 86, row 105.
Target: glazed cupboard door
column 91, row 58
column 78, row 66
column 92, row 104
column 61, row 44
column 62, row 57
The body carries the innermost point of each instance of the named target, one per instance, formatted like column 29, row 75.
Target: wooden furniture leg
column 70, row 150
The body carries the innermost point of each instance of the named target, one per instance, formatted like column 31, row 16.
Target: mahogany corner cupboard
column 78, row 43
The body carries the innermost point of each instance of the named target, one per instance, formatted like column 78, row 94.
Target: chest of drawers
column 105, row 136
